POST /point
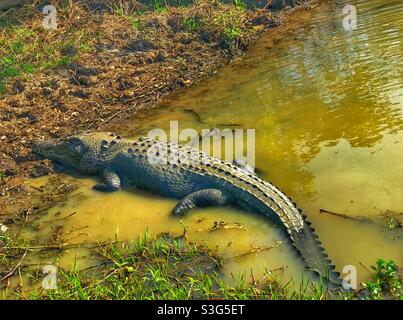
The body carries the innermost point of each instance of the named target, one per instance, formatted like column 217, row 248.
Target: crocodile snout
column 43, row 149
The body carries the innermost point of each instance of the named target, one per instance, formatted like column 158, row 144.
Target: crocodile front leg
column 203, row 198
column 111, row 182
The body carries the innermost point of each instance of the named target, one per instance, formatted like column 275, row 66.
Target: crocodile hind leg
column 202, row 198
column 111, row 182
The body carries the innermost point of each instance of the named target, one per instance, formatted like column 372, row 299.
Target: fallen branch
column 58, row 219
column 256, row 250
column 62, row 246
column 390, row 214
column 362, row 265
column 282, row 268
column 110, row 118
column 37, row 189
column 16, row 267
column 225, row 225
column 341, row 215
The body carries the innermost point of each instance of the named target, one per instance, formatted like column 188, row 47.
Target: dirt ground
column 102, row 64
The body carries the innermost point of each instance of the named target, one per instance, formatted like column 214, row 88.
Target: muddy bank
column 103, row 64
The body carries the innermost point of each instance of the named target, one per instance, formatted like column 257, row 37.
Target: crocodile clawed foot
column 201, row 199
column 181, row 208
column 103, row 187
column 111, row 184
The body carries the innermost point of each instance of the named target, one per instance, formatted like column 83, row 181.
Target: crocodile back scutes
column 198, row 162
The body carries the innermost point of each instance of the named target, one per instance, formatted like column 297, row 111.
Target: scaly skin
column 186, row 173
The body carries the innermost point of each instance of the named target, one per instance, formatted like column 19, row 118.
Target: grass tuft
column 170, row 268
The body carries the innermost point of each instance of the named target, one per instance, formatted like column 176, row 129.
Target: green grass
column 23, row 53
column 230, row 22
column 232, row 33
column 26, row 48
column 137, row 24
column 240, row 4
column 169, row 268
column 118, row 10
column 165, row 267
column 159, row 6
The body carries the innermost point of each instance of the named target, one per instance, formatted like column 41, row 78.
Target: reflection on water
column 327, row 107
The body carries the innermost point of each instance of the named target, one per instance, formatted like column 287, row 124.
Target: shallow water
column 327, row 108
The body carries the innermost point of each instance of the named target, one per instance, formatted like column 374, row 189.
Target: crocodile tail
column 310, row 248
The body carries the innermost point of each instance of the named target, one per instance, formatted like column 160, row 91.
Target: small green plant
column 3, row 88
column 159, row 6
column 192, row 24
column 119, row 11
column 393, row 223
column 16, row 47
column 8, row 67
column 181, row 60
column 386, row 280
column 240, row 4
column 28, row 68
column 135, row 23
column 86, row 48
column 231, row 33
column 3, row 177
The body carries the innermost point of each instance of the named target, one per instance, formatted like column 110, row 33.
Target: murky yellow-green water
column 327, row 107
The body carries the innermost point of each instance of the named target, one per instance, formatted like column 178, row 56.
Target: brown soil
column 125, row 65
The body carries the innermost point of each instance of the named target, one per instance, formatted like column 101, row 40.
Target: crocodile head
column 78, row 152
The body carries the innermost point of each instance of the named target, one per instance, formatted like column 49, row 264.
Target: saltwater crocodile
column 186, row 173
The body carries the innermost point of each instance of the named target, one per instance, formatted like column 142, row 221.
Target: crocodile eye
column 74, row 144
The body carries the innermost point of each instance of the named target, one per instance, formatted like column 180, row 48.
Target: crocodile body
column 188, row 174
